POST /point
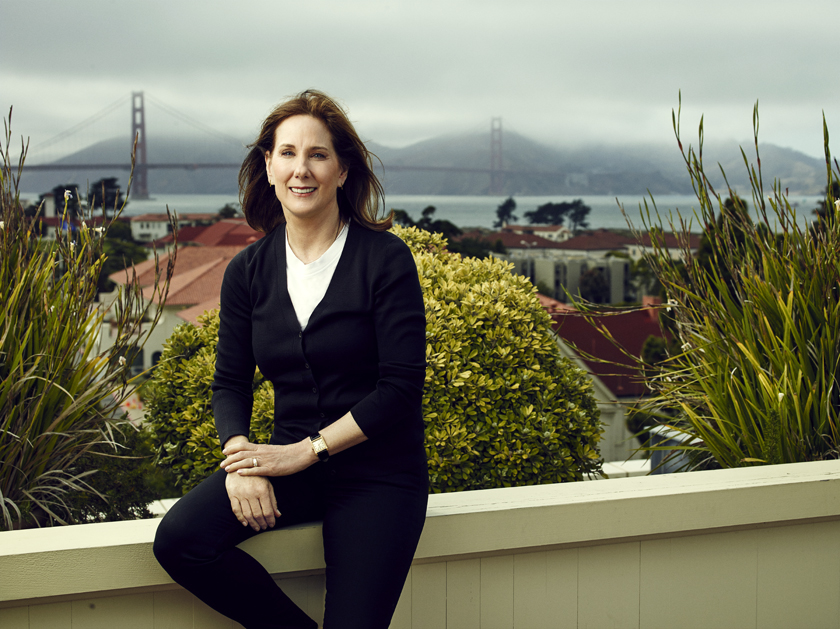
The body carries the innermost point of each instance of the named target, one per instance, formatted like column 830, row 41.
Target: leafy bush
column 501, row 406
column 757, row 320
column 60, row 396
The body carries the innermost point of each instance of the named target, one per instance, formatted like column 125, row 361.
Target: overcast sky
column 557, row 71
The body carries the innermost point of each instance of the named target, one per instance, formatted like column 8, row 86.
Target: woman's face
column 304, row 168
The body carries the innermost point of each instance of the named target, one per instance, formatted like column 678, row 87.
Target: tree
column 594, row 286
column 72, row 206
column 401, row 217
column 228, row 211
column 106, row 194
column 504, row 213
column 555, row 213
column 577, row 215
column 548, row 214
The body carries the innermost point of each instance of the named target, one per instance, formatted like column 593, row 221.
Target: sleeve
column 400, row 329
column 232, row 387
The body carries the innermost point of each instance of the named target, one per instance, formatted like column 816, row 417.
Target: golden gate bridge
column 142, row 166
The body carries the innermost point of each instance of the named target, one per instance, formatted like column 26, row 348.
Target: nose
column 302, row 169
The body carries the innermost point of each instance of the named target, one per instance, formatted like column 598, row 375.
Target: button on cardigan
column 362, row 351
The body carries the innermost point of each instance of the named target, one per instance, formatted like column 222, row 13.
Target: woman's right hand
column 252, row 500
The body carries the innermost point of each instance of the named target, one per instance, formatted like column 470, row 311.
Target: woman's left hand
column 255, row 459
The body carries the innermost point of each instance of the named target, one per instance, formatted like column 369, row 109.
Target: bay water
column 472, row 211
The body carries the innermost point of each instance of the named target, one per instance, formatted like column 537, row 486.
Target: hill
column 531, row 168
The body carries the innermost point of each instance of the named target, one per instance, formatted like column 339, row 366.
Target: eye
column 287, row 153
column 319, row 156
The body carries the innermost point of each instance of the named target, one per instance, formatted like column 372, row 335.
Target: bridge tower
column 496, row 172
column 140, row 189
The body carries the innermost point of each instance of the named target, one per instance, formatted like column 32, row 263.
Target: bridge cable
column 194, row 123
column 83, row 124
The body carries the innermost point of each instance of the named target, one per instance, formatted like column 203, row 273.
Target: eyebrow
column 311, row 148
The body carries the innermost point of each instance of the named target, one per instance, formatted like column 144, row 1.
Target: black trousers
column 371, row 526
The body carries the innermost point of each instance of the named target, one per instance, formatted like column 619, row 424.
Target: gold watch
column 319, row 446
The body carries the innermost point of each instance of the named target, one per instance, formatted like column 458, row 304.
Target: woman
column 328, row 306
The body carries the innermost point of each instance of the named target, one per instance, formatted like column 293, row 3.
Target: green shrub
column 123, row 485
column 60, row 395
column 756, row 318
column 501, row 406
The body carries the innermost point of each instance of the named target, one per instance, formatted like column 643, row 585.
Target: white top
column 308, row 283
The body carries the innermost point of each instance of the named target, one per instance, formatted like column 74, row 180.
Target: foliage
column 105, row 194
column 72, row 204
column 60, row 395
column 119, row 254
column 501, row 406
column 757, row 324
column 555, row 213
column 228, row 211
column 594, row 286
column 124, row 485
column 505, row 213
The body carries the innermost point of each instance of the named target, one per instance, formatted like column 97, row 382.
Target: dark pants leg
column 371, row 530
column 196, row 544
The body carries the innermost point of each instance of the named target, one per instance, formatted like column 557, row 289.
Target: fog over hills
column 531, row 168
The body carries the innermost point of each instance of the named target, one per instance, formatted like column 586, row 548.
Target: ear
column 268, row 164
column 342, row 177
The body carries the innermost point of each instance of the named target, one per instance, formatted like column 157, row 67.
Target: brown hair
column 362, row 193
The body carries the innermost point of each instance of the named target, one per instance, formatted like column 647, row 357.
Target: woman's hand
column 252, row 500
column 253, row 459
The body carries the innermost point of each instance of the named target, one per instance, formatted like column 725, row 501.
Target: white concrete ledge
column 116, row 557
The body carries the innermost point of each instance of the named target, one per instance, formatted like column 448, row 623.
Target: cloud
column 605, row 70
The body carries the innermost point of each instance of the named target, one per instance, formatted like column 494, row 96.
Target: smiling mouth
column 302, row 190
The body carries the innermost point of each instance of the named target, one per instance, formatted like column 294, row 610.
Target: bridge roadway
column 174, row 166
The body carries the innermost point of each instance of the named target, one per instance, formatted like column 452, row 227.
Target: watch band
column 319, row 446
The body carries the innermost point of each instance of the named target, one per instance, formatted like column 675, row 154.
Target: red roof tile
column 197, row 276
column 630, row 329
column 599, row 240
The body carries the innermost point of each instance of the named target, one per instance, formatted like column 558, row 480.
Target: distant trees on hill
column 556, row 213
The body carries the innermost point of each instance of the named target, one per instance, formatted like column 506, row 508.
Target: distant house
column 556, row 233
column 195, row 287
column 228, row 232
column 149, row 227
column 616, row 379
column 559, row 265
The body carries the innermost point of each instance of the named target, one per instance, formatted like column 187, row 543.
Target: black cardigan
column 363, row 349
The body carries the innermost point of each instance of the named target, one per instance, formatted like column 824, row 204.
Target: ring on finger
column 254, row 462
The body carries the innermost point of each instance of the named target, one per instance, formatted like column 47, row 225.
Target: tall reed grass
column 756, row 378
column 60, row 395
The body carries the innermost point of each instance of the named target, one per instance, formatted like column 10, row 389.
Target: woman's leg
column 196, row 544
column 371, row 530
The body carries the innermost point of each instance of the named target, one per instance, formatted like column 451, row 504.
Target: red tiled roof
column 197, row 277
column 602, row 239
column 630, row 329
column 520, row 241
column 671, row 241
column 227, row 232
column 552, row 305
column 532, row 228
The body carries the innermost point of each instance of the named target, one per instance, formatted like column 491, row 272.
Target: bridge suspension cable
column 194, row 123
column 82, row 125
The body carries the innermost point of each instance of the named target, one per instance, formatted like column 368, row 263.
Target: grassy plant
column 59, row 395
column 757, row 321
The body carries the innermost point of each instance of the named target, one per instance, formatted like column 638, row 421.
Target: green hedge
column 501, row 406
